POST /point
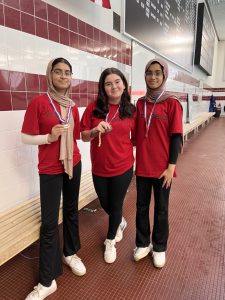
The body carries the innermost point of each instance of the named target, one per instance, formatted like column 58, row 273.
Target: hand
column 104, row 127
column 56, row 132
column 168, row 176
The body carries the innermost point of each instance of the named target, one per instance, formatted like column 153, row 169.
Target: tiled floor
column 195, row 267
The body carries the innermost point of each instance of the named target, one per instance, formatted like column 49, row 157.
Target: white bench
column 20, row 226
column 200, row 121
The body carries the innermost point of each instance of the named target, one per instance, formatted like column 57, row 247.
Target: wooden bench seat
column 20, row 226
column 201, row 120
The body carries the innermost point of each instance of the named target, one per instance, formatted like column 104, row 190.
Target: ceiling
column 217, row 10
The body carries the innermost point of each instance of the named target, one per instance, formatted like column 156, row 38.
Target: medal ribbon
column 109, row 121
column 148, row 123
column 107, row 116
column 62, row 121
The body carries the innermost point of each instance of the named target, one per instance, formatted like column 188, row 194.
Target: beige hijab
column 67, row 140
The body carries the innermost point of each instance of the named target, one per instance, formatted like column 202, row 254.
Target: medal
column 62, row 121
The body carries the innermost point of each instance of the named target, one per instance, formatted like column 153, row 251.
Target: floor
column 195, row 267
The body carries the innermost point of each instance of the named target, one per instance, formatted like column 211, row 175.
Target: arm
column 88, row 135
column 175, row 146
column 29, row 139
column 39, row 139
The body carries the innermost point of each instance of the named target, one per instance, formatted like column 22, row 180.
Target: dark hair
column 61, row 60
column 126, row 110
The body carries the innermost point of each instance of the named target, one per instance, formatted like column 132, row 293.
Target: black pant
column 111, row 192
column 160, row 231
column 51, row 186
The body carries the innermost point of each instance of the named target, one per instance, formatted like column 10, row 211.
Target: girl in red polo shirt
column 52, row 122
column 107, row 123
column 158, row 142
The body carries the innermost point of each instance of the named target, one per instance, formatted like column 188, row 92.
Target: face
column 114, row 88
column 61, row 77
column 154, row 76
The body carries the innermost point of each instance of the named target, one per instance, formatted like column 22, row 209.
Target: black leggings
column 111, row 192
column 51, row 187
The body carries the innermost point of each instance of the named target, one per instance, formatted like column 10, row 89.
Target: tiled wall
column 31, row 33
column 18, row 88
column 45, row 21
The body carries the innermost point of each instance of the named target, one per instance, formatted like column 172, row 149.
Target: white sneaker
column 141, row 252
column 120, row 230
column 110, row 251
column 159, row 259
column 40, row 292
column 75, row 263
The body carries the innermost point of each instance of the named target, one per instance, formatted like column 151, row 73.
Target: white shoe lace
column 41, row 292
column 35, row 294
column 75, row 260
column 110, row 245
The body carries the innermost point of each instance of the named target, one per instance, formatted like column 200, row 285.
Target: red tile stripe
column 18, row 88
column 217, row 98
column 222, row 89
column 185, row 78
column 46, row 21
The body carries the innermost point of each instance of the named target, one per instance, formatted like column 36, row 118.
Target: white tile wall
column 18, row 182
column 34, row 59
column 19, row 179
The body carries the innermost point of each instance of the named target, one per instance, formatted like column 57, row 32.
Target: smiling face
column 61, row 77
column 154, row 76
column 114, row 88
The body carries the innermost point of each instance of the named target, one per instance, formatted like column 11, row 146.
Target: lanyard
column 109, row 121
column 62, row 121
column 107, row 116
column 148, row 123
